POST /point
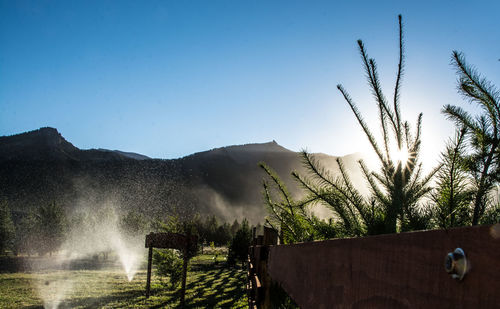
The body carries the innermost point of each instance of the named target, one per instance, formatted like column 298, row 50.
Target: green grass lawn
column 208, row 286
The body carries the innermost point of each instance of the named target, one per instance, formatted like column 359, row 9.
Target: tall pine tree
column 483, row 132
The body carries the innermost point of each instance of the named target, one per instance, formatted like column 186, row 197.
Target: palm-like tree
column 399, row 185
column 482, row 131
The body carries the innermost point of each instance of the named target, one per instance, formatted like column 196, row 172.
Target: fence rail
column 404, row 270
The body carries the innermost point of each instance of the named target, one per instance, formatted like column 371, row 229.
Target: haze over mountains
column 41, row 166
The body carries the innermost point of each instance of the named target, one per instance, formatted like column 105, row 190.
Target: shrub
column 168, row 264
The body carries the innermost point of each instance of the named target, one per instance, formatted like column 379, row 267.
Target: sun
column 400, row 155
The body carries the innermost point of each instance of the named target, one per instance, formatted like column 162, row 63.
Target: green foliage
column 293, row 220
column 483, row 161
column 338, row 194
column 211, row 230
column 50, row 228
column 235, row 227
column 453, row 196
column 325, row 229
column 223, row 235
column 134, row 223
column 175, row 223
column 26, row 235
column 7, row 229
column 491, row 214
column 168, row 263
column 238, row 249
column 396, row 188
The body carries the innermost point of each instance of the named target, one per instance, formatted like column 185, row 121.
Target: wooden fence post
column 259, row 282
column 252, row 271
column 270, row 238
column 148, row 280
column 184, row 270
column 186, row 243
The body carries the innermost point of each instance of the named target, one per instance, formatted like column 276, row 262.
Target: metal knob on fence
column 455, row 264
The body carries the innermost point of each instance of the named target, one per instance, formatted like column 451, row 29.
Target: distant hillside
column 48, row 144
column 131, row 155
column 41, row 166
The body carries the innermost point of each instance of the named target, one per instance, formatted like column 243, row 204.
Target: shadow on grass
column 208, row 286
column 126, row 297
column 14, row 264
column 222, row 286
column 216, row 287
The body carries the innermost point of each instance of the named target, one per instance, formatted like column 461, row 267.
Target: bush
column 168, row 263
column 238, row 249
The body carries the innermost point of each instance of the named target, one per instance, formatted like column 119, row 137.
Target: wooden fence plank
column 391, row 271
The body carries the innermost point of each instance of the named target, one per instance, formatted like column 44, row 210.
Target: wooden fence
column 406, row 270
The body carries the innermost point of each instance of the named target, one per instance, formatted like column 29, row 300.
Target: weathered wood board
column 170, row 240
column 391, row 271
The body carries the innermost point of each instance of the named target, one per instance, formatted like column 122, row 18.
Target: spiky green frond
column 329, row 199
column 362, row 123
column 378, row 195
column 414, row 148
column 355, row 197
column 483, row 131
column 453, row 196
column 399, row 75
column 375, row 87
column 341, row 185
column 292, row 219
column 317, row 171
column 473, row 86
column 381, row 101
column 280, row 185
column 337, row 194
column 399, row 185
column 461, row 117
column 384, row 112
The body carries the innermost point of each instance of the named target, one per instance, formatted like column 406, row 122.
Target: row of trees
column 401, row 197
column 43, row 231
column 209, row 231
column 39, row 232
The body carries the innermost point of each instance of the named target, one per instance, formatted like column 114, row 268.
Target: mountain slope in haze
column 40, row 166
column 131, row 155
column 49, row 145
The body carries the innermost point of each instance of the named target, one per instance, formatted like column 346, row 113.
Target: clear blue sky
column 169, row 78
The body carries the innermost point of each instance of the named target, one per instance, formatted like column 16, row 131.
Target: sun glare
column 400, row 155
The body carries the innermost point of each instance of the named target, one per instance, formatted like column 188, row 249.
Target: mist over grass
column 208, row 286
column 100, row 232
column 93, row 233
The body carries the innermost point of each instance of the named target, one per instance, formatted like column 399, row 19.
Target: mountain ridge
column 47, row 143
column 40, row 166
column 49, row 137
